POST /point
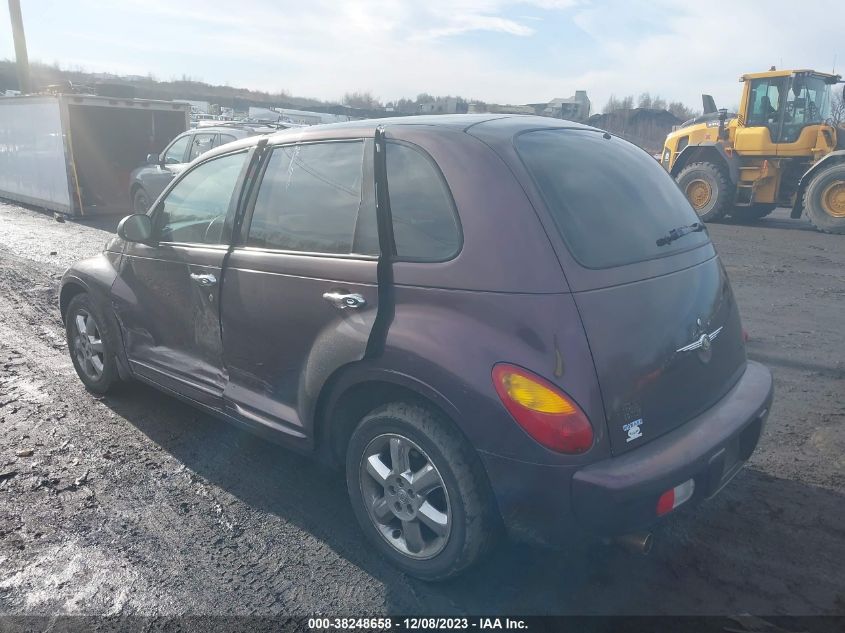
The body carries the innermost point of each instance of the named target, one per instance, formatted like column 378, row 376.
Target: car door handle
column 343, row 300
column 204, row 280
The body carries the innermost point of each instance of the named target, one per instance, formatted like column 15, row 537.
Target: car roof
column 461, row 122
column 501, row 126
column 243, row 129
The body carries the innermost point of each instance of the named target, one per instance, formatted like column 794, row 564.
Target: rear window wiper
column 679, row 232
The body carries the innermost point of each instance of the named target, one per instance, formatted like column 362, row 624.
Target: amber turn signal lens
column 534, row 395
column 542, row 410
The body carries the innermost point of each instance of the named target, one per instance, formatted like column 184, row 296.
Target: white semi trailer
column 73, row 153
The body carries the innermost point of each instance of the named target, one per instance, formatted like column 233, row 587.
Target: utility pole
column 21, row 58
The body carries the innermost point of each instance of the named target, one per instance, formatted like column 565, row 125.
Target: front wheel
column 89, row 344
column 824, row 199
column 708, row 189
column 418, row 491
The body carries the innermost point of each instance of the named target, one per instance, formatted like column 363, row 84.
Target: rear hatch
column 661, row 320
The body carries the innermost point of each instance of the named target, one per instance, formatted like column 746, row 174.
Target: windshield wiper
column 674, row 234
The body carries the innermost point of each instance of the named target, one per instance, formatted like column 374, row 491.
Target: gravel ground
column 138, row 504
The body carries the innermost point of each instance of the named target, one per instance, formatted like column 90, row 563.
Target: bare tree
column 837, row 111
column 681, row 111
column 613, row 104
column 364, row 100
column 652, row 103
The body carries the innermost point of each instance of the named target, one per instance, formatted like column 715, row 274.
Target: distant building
column 447, row 105
column 574, row 108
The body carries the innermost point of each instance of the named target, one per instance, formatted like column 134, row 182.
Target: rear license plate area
column 723, row 466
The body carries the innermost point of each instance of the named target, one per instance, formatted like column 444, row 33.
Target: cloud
column 514, row 51
column 682, row 49
column 473, row 22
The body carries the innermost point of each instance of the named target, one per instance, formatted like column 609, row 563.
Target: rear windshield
column 610, row 200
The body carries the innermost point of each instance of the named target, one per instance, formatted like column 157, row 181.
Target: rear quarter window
column 610, row 200
column 425, row 224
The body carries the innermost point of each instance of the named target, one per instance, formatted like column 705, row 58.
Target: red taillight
column 544, row 411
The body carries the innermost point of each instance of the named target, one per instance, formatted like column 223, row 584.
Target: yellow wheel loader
column 780, row 149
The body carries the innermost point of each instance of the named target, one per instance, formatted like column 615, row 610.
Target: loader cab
column 783, row 112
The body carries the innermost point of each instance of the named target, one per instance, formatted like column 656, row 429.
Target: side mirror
column 136, row 228
column 153, row 159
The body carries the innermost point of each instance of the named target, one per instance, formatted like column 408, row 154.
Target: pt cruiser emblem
column 702, row 342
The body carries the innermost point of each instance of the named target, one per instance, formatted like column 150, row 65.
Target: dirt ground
column 137, row 504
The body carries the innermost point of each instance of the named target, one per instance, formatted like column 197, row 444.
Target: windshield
column 610, row 200
column 807, row 102
column 797, row 101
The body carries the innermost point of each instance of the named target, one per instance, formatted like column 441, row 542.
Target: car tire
column 89, row 342
column 824, row 199
column 140, row 201
column 452, row 494
column 753, row 212
column 708, row 189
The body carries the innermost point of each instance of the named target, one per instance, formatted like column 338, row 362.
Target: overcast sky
column 494, row 50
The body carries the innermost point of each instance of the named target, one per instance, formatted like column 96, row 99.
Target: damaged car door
column 167, row 293
column 301, row 291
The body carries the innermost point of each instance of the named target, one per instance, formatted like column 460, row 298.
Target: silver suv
column 148, row 181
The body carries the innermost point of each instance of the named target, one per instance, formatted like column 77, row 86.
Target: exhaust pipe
column 636, row 542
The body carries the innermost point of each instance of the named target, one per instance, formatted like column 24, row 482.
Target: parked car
column 148, row 181
column 486, row 320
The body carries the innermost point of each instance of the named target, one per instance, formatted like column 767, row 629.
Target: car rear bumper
column 619, row 494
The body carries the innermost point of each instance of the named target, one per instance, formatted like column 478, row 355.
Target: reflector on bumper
column 674, row 497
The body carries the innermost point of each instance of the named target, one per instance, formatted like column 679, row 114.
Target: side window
column 765, row 101
column 195, row 210
column 175, row 154
column 425, row 225
column 310, row 198
column 200, row 145
column 225, row 138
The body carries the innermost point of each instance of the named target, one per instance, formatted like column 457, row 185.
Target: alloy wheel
column 88, row 345
column 405, row 496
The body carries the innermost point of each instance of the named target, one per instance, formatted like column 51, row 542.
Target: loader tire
column 708, row 189
column 753, row 212
column 824, row 199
